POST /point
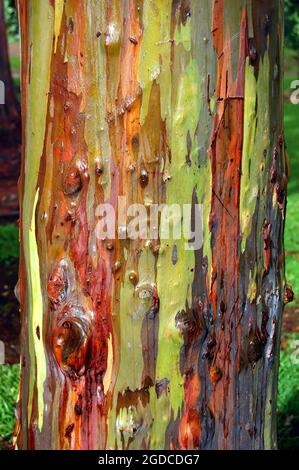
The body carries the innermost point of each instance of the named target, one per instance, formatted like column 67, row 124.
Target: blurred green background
column 288, row 393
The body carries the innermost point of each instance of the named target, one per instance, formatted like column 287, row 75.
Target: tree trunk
column 141, row 343
column 9, row 115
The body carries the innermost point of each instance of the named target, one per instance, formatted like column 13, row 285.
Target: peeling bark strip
column 130, row 344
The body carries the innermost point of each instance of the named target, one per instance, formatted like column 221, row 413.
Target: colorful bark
column 138, row 343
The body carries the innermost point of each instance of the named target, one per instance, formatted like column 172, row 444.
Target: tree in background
column 11, row 20
column 139, row 343
column 292, row 25
column 9, row 114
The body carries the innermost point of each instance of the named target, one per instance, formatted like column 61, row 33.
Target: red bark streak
column 226, row 155
column 57, row 285
column 288, row 294
column 267, row 245
column 23, row 415
column 81, row 321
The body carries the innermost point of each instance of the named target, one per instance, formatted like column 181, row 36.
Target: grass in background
column 9, row 375
column 15, row 63
column 288, row 386
column 9, row 244
column 288, row 398
column 9, row 384
column 291, row 116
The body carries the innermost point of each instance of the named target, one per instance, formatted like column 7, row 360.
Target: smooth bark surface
column 142, row 344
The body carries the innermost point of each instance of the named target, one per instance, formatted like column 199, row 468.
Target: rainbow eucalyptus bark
column 9, row 115
column 141, row 343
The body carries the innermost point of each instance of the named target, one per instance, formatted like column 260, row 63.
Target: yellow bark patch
column 37, row 315
column 256, row 142
column 59, row 4
column 155, row 54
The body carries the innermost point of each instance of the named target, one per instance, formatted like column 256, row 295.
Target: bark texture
column 141, row 344
column 9, row 115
